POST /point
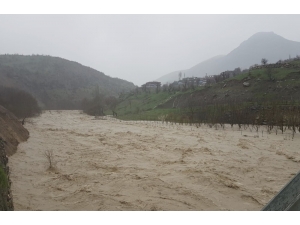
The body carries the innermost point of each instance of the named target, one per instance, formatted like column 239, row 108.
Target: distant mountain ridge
column 55, row 82
column 260, row 45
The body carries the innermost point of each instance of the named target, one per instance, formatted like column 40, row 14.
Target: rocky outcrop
column 246, row 84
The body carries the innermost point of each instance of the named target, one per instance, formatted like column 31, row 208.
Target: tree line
column 99, row 103
column 277, row 116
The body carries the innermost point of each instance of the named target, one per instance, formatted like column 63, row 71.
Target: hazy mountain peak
column 264, row 34
column 262, row 39
column 260, row 45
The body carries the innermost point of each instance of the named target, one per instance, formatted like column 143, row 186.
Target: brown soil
column 11, row 131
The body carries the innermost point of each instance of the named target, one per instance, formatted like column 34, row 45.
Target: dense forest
column 57, row 83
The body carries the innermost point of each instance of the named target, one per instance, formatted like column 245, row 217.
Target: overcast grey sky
column 137, row 48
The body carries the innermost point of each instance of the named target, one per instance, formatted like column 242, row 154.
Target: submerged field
column 134, row 165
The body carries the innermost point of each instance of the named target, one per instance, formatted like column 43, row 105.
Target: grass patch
column 141, row 103
column 3, row 179
column 3, row 189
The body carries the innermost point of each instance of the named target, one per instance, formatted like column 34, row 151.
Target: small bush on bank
column 19, row 102
column 3, row 189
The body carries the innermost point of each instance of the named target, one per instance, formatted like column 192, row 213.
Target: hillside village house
column 197, row 81
column 152, row 84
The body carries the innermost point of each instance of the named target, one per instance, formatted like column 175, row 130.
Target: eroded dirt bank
column 117, row 165
column 12, row 131
column 11, row 134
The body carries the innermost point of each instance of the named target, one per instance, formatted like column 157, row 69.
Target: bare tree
column 192, row 108
column 179, row 76
column 185, row 84
column 50, row 158
column 111, row 102
column 157, row 87
column 264, row 61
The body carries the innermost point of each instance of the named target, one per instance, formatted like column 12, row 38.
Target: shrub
column 19, row 102
column 3, row 189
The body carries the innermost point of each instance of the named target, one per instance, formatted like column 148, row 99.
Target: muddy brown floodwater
column 124, row 165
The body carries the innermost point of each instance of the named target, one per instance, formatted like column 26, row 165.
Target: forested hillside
column 55, row 82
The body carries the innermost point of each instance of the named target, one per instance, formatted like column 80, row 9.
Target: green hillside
column 143, row 106
column 250, row 97
column 55, row 82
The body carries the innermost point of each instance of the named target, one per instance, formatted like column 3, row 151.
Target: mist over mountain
column 55, row 82
column 261, row 45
